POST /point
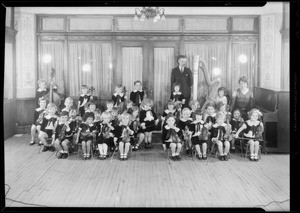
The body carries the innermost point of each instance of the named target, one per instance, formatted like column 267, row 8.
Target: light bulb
column 47, row 58
column 216, row 71
column 86, row 67
column 243, row 58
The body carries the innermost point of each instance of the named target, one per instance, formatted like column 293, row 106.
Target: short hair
column 198, row 112
column 64, row 113
column 128, row 101
column 84, row 86
column 91, row 103
column 220, row 115
column 170, row 115
column 51, row 105
column 237, row 109
column 170, row 102
column 135, row 108
column 109, row 102
column 186, row 109
column 41, row 81
column 138, row 81
column 243, row 79
column 88, row 115
column 254, row 110
column 72, row 109
column 222, row 89
column 69, row 99
column 147, row 101
column 180, row 56
column 219, row 105
column 209, row 105
column 125, row 114
column 176, row 85
column 97, row 111
column 104, row 114
column 193, row 102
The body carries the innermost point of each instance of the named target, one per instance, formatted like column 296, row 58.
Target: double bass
column 53, row 96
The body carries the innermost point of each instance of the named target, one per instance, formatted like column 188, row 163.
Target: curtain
column 99, row 57
column 240, row 69
column 163, row 65
column 132, row 67
column 55, row 50
column 215, row 56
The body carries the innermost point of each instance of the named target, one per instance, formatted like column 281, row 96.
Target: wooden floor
column 147, row 179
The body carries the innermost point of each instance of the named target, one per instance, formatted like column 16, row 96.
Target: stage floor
column 147, row 179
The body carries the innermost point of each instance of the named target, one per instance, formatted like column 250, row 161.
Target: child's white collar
column 40, row 90
column 216, row 124
column 121, row 94
column 138, row 90
column 175, row 93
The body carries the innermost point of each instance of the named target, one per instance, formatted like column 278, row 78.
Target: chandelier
column 148, row 12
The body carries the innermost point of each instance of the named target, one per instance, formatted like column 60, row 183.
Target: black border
column 294, row 70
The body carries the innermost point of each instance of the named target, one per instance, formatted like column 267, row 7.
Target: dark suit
column 185, row 79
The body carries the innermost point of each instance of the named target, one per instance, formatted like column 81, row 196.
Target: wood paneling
column 206, row 24
column 9, row 118
column 90, row 24
column 25, row 111
column 283, row 127
column 53, row 24
column 147, row 179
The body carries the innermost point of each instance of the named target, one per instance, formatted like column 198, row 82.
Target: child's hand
column 156, row 122
column 143, row 125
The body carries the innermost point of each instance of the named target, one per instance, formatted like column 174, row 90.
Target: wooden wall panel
column 9, row 118
column 90, row 24
column 243, row 24
column 206, row 24
column 53, row 24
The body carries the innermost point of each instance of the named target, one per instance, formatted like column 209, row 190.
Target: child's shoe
column 40, row 143
column 149, row 146
column 60, row 155
column 65, row 155
column 121, row 157
column 252, row 157
column 84, row 156
column 199, row 157
column 31, row 143
column 204, row 157
column 45, row 148
column 255, row 158
column 222, row 158
column 173, row 158
column 125, row 157
column 226, row 157
column 178, row 157
column 88, row 157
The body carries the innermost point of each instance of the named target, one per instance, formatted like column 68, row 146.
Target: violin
column 53, row 96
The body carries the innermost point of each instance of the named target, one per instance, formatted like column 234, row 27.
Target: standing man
column 183, row 76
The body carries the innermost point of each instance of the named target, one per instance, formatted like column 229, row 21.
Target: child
column 105, row 137
column 209, row 115
column 91, row 107
column 84, row 98
column 109, row 106
column 184, row 125
column 137, row 95
column 123, row 135
column 47, row 127
column 74, row 123
column 135, row 122
column 63, row 135
column 253, row 131
column 37, row 120
column 128, row 105
column 221, row 107
column 199, row 135
column 86, row 133
column 219, row 136
column 68, row 103
column 41, row 91
column 118, row 97
column 177, row 96
column 221, row 97
column 171, row 137
column 148, row 121
column 236, row 123
column 115, row 117
column 194, row 104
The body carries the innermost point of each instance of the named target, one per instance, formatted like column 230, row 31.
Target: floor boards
column 147, row 179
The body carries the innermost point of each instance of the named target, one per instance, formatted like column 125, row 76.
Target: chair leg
column 211, row 149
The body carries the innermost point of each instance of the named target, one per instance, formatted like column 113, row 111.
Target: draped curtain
column 215, row 56
column 55, row 50
column 8, row 72
column 99, row 57
column 132, row 66
column 163, row 65
column 240, row 69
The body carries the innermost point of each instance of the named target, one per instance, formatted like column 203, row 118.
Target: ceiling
column 269, row 8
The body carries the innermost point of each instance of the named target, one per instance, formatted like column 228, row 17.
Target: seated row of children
column 109, row 129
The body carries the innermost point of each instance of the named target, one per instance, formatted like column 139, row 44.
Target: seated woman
column 242, row 98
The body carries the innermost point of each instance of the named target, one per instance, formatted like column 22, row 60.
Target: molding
column 132, row 38
column 244, row 38
column 88, row 37
column 206, row 38
column 52, row 38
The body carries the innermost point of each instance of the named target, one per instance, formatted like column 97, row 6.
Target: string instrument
column 186, row 134
column 53, row 96
column 174, row 136
column 121, row 105
column 126, row 136
column 62, row 133
column 40, row 118
column 204, row 133
column 106, row 132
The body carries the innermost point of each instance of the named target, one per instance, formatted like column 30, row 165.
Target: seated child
column 105, row 139
column 148, row 121
column 171, row 137
column 221, row 96
column 137, row 95
column 74, row 123
column 119, row 97
column 37, row 120
column 128, row 105
column 176, row 95
column 170, row 109
column 194, row 104
column 84, row 98
column 69, row 104
column 86, row 134
column 236, row 122
column 47, row 127
column 91, row 107
column 42, row 91
column 199, row 135
column 219, row 136
column 184, row 125
column 63, row 135
column 123, row 135
column 109, row 106
column 209, row 115
column 253, row 132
